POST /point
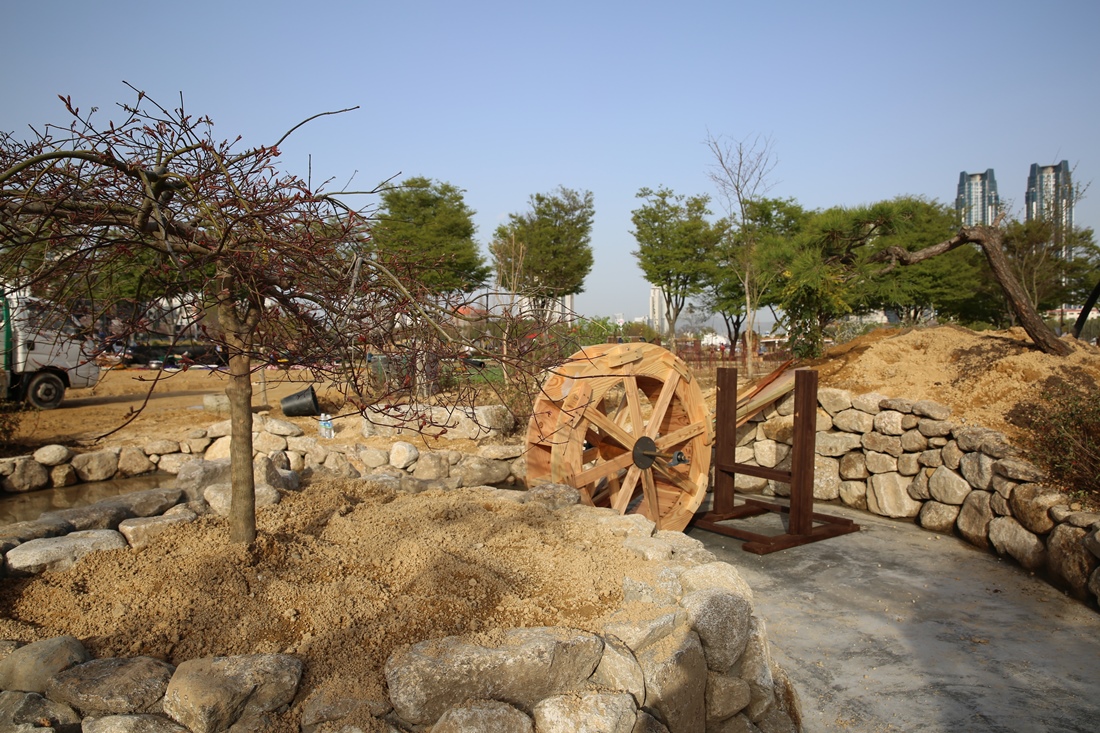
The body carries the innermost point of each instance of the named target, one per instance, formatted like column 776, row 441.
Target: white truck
column 43, row 355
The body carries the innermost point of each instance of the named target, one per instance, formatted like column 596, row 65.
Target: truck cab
column 42, row 352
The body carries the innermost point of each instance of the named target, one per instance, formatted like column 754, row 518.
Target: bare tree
column 742, row 172
column 280, row 262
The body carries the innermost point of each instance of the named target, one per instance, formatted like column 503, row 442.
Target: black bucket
column 301, row 404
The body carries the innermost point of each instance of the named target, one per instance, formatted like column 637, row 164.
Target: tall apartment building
column 657, row 318
column 977, row 201
column 1050, row 194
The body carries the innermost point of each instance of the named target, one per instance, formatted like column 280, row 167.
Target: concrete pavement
column 897, row 629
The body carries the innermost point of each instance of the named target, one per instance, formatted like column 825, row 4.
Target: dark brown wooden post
column 802, row 452
column 725, row 436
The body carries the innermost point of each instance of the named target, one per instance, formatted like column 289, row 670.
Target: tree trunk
column 242, row 512
column 1079, row 325
column 989, row 239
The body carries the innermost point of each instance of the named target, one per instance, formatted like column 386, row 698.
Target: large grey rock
column 931, row 458
column 160, row 447
column 101, row 515
column 881, row 462
column 826, row 478
column 220, row 497
column 853, row 466
column 1031, row 503
column 173, row 462
column 502, row 451
column 142, row 723
column 266, row 442
column 935, row 428
column 641, row 625
column 59, row 553
column 403, row 455
column 194, row 476
column 947, row 486
column 888, row 496
column 150, row 502
column 26, row 475
column 854, row 493
column 869, row 403
column 974, row 519
column 527, row 666
column 756, row 669
column 52, row 455
column 1069, row 561
column 431, row 466
column 283, row 428
column 478, row 471
column 727, row 695
column 132, row 461
column 996, row 445
column 854, row 421
column 619, row 669
column 220, row 449
column 908, row 465
column 879, row 443
column 1017, row 469
column 675, row 669
column 27, row 712
column 116, row 686
column 950, row 453
column 44, row 526
column 605, row 712
column 889, row 422
column 769, row 454
column 142, row 532
column 721, row 619
column 28, row 668
column 937, row 517
column 835, row 444
column 834, row 400
column 970, row 437
column 977, row 468
column 98, row 465
column 930, row 409
column 211, row 694
column 1009, row 537
column 552, row 496
column 484, row 716
column 913, row 442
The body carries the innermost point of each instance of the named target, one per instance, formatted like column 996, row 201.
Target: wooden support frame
column 805, row 524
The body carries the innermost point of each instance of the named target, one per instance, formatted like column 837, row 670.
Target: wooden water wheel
column 627, row 426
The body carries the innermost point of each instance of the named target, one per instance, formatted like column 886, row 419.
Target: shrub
column 1063, row 436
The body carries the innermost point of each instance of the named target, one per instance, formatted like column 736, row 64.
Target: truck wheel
column 45, row 391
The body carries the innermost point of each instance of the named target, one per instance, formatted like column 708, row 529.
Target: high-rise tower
column 1050, row 195
column 977, row 201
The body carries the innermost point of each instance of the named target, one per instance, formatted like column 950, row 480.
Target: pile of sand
column 983, row 376
column 341, row 575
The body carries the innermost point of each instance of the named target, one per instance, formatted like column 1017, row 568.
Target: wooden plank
column 625, row 354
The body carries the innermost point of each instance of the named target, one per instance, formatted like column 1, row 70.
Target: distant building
column 1050, row 195
column 657, row 318
column 977, row 201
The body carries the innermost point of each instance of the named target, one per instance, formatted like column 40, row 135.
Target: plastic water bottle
column 325, row 428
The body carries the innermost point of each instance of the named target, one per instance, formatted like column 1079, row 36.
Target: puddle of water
column 33, row 504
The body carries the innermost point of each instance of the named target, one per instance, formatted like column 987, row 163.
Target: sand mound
column 982, row 376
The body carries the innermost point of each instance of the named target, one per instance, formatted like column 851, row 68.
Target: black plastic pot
column 301, row 404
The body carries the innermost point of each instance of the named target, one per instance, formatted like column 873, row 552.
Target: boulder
column 619, row 670
column 756, row 669
column 52, row 455
column 879, row 443
column 888, row 422
column 937, row 517
column 194, row 476
column 930, row 409
column 674, row 669
column 888, row 496
column 974, row 519
column 869, row 403
column 115, row 686
column 211, row 694
column 488, row 716
column 403, row 455
column 853, row 466
column 721, row 619
column 913, row 442
column 143, row 723
column 826, row 478
column 59, row 553
column 132, row 461
column 143, row 531
column 1068, row 559
column 1017, row 469
column 220, row 497
column 854, row 494
column 977, row 468
column 727, row 695
column 881, row 462
column 854, row 421
column 1009, row 537
column 1031, row 503
column 30, row 667
column 98, row 465
column 284, row 428
column 528, row 665
column 26, row 475
column 833, row 444
column 834, row 400
column 478, row 471
column 613, row 712
column 28, row 712
column 431, row 466
column 944, row 485
column 161, row 447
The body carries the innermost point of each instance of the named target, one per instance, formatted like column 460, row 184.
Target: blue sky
column 863, row 101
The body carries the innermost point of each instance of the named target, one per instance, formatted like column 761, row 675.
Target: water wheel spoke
column 680, row 437
column 610, row 429
column 603, row 470
column 668, row 391
column 649, row 493
column 631, row 384
column 677, row 479
column 626, row 491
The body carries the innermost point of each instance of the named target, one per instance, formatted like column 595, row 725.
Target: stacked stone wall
column 909, row 460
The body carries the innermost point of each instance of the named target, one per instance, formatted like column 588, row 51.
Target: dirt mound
column 340, row 575
column 983, row 376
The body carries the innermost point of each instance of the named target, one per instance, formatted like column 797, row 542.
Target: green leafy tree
column 545, row 252
column 676, row 245
column 428, row 225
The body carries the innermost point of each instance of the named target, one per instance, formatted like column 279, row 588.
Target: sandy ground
column 344, row 572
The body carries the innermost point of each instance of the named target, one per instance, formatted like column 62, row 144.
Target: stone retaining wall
column 684, row 653
column 906, row 459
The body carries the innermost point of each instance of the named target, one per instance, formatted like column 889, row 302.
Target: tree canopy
column 545, row 252
column 676, row 245
column 427, row 224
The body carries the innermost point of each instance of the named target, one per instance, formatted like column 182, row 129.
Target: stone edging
column 685, row 653
column 904, row 459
